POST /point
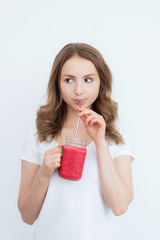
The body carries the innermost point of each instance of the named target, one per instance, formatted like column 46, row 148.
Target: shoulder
column 122, row 148
column 33, row 150
column 32, row 136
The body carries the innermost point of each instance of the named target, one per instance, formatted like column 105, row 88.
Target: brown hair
column 51, row 116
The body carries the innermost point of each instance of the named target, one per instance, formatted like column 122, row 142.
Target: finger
column 56, row 167
column 97, row 121
column 60, row 145
column 85, row 112
column 52, row 157
column 90, row 118
column 56, row 164
column 57, row 149
column 57, row 155
column 84, row 120
column 93, row 116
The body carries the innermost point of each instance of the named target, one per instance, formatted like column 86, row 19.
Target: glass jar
column 73, row 158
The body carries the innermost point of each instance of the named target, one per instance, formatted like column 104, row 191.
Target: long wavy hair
column 51, row 116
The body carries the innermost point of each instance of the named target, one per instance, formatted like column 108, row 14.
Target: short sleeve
column 122, row 148
column 30, row 148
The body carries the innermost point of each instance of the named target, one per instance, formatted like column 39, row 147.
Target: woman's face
column 79, row 81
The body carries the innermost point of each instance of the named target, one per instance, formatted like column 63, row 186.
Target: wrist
column 43, row 177
column 101, row 143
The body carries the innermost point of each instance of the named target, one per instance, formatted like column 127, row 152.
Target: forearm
column 31, row 203
column 115, row 191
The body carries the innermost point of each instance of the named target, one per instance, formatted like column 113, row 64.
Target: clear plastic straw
column 75, row 135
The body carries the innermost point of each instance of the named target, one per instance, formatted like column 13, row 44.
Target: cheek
column 64, row 95
column 65, row 92
column 98, row 88
column 94, row 92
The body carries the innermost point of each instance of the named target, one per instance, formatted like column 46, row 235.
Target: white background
column 127, row 33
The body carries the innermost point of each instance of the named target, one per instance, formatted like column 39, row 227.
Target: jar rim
column 77, row 142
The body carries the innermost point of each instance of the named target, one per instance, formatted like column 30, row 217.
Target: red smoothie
column 72, row 162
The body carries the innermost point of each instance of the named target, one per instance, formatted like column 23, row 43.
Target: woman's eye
column 68, row 80
column 88, row 80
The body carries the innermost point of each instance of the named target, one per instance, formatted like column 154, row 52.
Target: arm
column 115, row 178
column 32, row 192
column 34, row 184
column 115, row 175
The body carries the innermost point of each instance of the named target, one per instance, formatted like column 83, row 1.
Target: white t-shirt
column 74, row 210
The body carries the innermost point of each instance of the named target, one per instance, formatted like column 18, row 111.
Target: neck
column 71, row 121
column 69, row 127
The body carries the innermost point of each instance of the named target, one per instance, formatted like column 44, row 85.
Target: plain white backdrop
column 127, row 33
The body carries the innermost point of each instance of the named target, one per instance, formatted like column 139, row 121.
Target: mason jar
column 73, row 158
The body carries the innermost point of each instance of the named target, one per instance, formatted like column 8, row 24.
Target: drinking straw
column 75, row 135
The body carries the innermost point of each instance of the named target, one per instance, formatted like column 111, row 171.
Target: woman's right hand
column 51, row 161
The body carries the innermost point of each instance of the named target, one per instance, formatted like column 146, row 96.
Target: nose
column 78, row 88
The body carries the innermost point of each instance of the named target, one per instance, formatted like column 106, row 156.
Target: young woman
column 84, row 209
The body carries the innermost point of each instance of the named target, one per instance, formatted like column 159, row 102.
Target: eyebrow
column 88, row 75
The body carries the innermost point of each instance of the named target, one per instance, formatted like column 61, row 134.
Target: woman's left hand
column 94, row 123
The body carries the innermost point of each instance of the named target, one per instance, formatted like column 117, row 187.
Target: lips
column 79, row 100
